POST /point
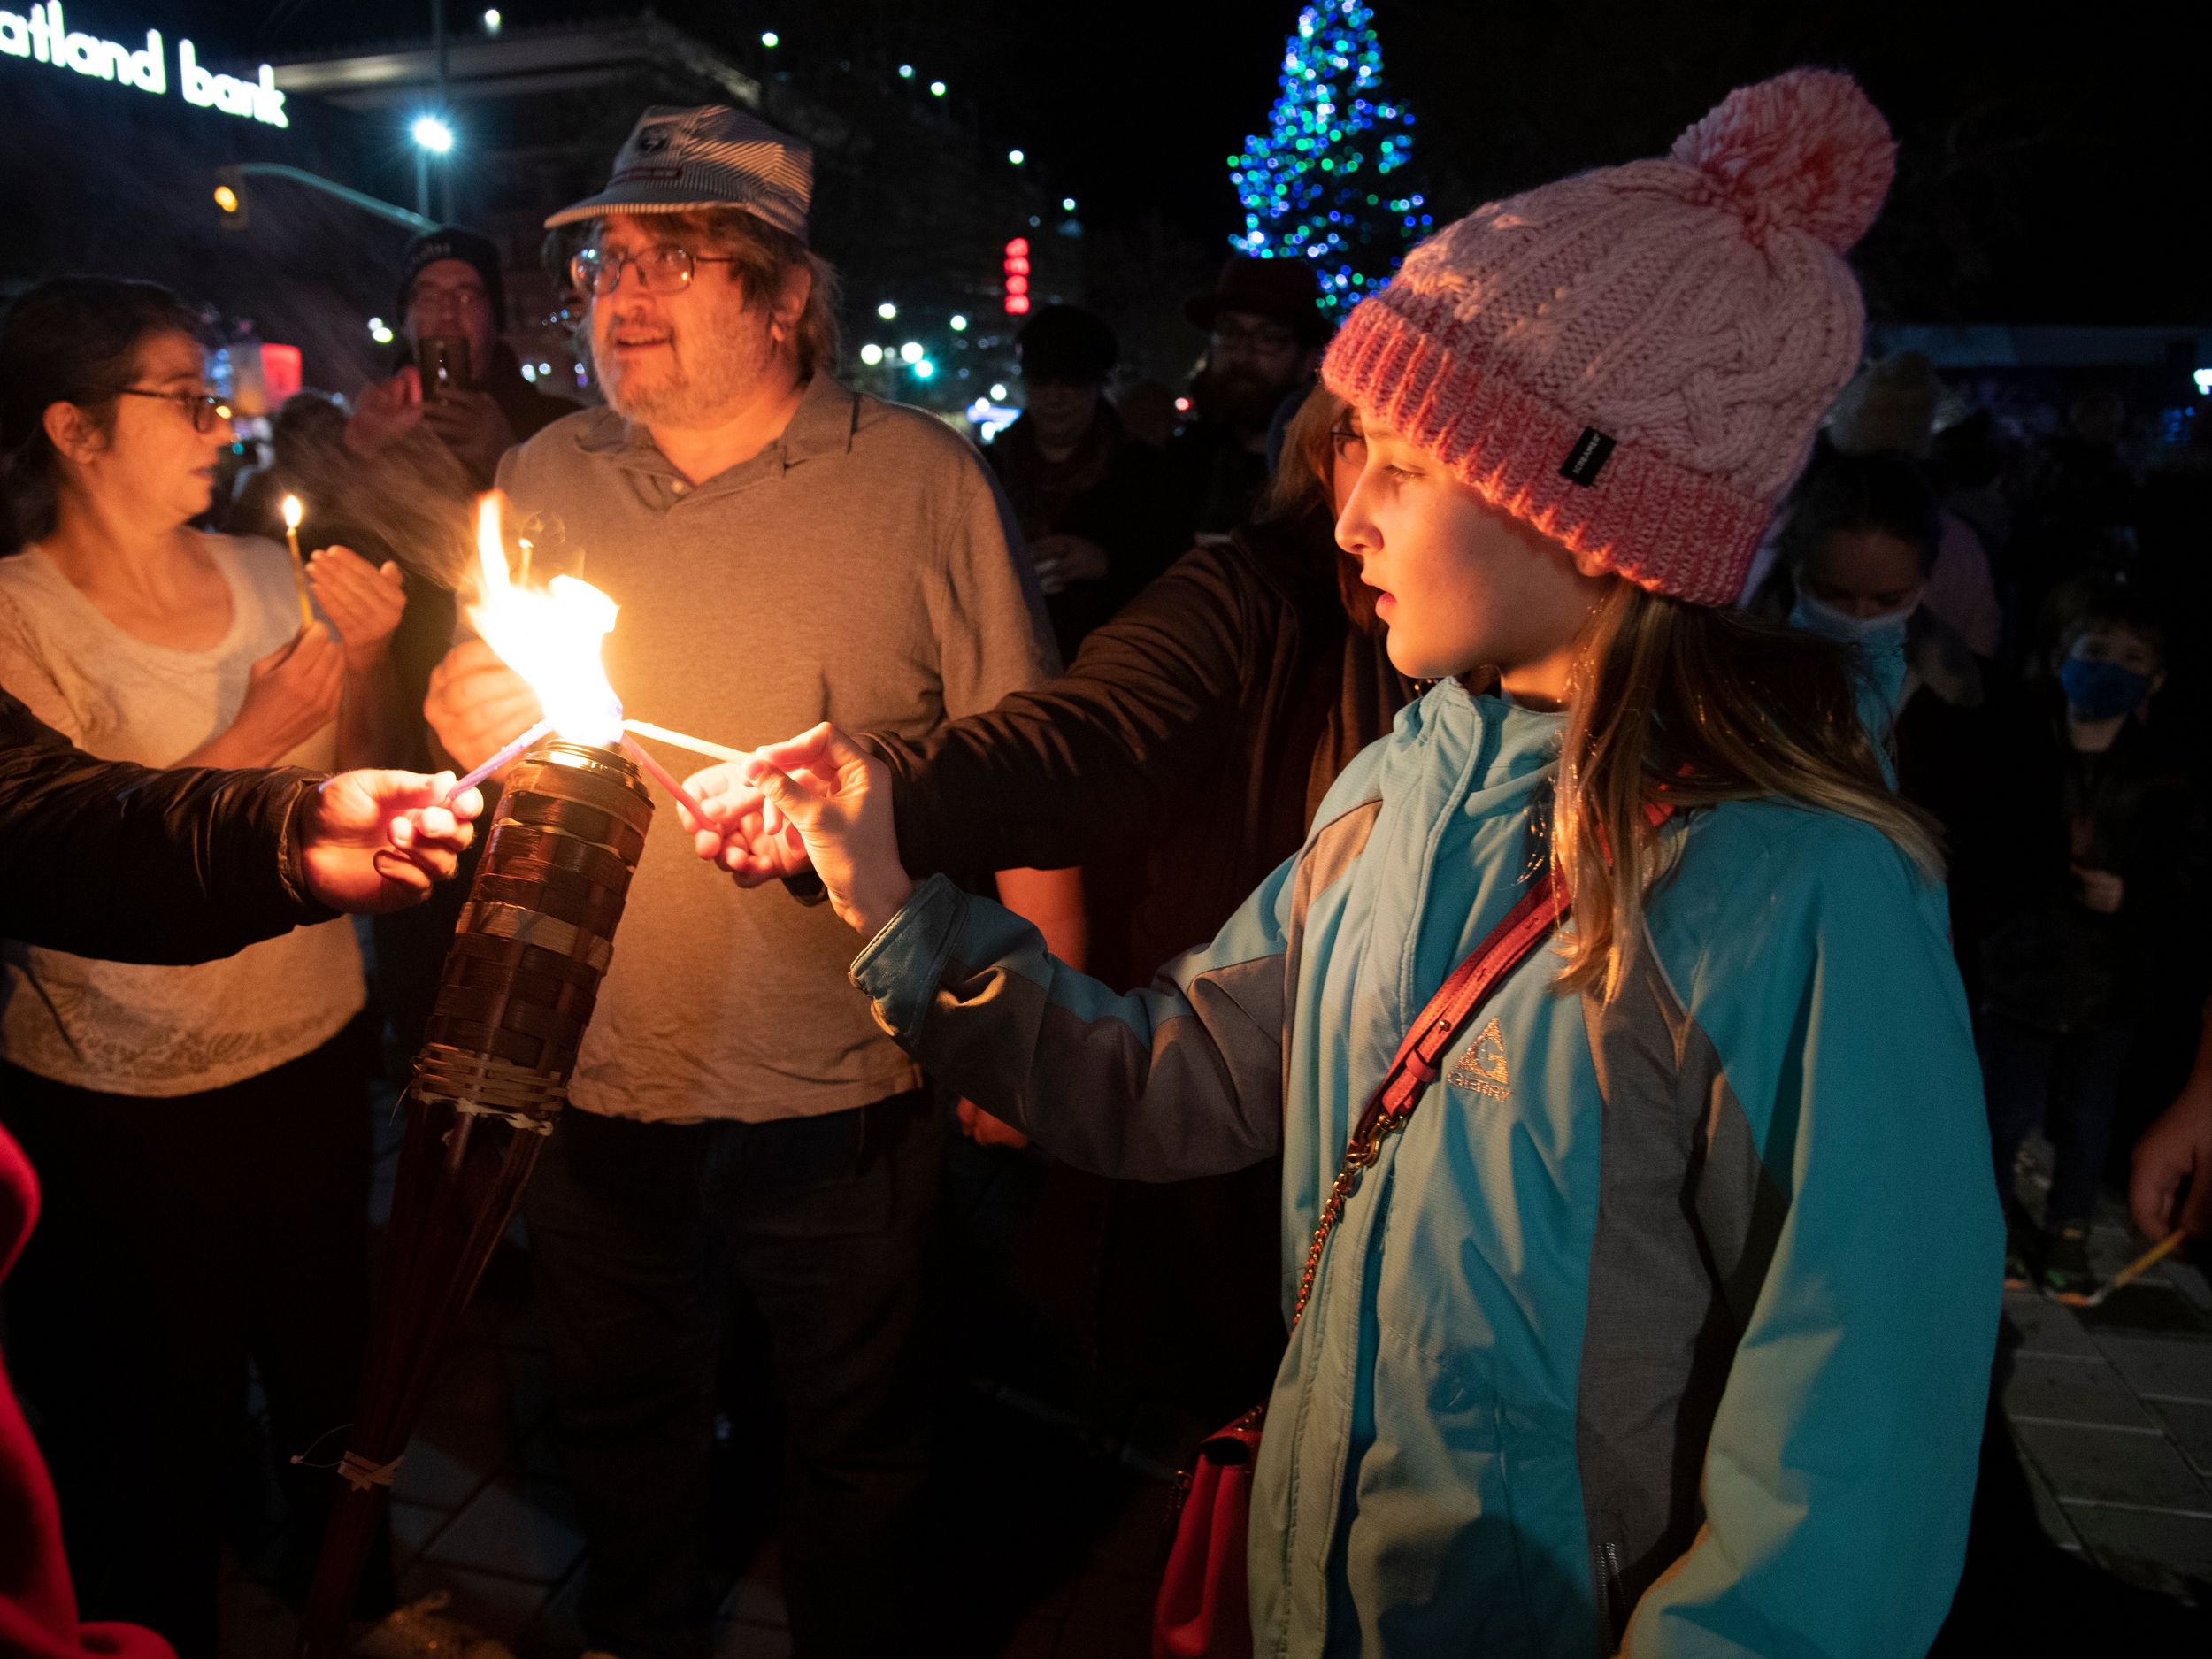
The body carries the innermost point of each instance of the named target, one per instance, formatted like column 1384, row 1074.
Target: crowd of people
column 1855, row 732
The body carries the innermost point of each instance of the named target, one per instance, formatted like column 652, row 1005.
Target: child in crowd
column 2096, row 852
column 1664, row 1322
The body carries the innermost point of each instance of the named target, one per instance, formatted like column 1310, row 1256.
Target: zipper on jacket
column 1605, row 1577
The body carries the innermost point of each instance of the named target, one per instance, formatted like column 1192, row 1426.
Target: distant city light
column 770, row 39
column 998, row 392
column 1182, row 405
column 1016, row 156
column 226, row 198
column 906, row 72
column 910, row 352
column 936, row 88
column 959, row 323
column 379, row 332
column 1067, row 204
column 491, row 21
column 871, row 354
column 924, row 369
column 2204, row 382
column 886, row 311
column 433, row 135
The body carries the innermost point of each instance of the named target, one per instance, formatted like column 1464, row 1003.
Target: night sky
column 2047, row 174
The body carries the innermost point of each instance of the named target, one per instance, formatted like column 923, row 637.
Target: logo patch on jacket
column 1483, row 1067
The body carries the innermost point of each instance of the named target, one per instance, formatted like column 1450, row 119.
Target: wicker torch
column 516, row 994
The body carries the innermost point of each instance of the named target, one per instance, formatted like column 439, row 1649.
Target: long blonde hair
column 1696, row 706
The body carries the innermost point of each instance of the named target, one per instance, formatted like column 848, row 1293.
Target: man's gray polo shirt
column 863, row 569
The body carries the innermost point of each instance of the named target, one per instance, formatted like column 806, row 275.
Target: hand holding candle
column 837, row 798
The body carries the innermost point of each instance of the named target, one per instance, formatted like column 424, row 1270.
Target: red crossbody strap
column 1414, row 1067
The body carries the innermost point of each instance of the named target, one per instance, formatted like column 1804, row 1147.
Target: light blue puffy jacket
column 1665, row 1325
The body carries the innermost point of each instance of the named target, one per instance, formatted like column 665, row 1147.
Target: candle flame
column 292, row 512
column 550, row 636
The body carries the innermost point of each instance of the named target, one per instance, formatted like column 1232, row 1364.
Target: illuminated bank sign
column 44, row 37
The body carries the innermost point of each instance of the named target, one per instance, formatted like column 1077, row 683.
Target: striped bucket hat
column 681, row 160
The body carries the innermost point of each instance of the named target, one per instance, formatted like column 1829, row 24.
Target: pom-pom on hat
column 1633, row 361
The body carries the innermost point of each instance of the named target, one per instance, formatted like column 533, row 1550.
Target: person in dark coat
column 2096, row 846
column 1092, row 500
column 1264, row 332
column 130, row 864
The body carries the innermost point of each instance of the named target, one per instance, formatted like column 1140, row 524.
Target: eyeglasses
column 202, row 409
column 1264, row 339
column 663, row 269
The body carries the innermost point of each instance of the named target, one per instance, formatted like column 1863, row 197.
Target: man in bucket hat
column 782, row 548
column 1264, row 332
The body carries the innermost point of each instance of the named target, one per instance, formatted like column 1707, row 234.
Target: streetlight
column 871, row 354
column 959, row 323
column 936, row 88
column 433, row 137
column 1067, row 204
column 886, row 311
column 770, row 39
column 910, row 352
column 492, row 21
column 1016, row 156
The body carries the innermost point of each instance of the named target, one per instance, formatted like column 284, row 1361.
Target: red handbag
column 1203, row 1611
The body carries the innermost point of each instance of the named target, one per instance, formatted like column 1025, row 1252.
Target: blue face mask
column 2103, row 691
column 1877, row 636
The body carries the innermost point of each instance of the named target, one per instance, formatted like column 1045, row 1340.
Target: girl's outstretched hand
column 837, row 799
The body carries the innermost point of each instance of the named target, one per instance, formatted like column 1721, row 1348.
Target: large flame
column 549, row 637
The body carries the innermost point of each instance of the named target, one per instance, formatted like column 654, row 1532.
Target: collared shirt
column 862, row 568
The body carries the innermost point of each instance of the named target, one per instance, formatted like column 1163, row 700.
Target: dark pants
column 179, row 1238
column 641, row 1235
column 2065, row 1082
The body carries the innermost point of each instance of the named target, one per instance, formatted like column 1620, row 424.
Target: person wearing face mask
column 1854, row 563
column 2098, row 853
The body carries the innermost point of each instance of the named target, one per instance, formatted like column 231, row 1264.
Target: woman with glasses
column 201, row 1132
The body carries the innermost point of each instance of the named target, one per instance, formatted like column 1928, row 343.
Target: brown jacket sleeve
column 1085, row 764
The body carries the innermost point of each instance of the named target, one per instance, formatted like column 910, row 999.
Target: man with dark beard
column 1264, row 330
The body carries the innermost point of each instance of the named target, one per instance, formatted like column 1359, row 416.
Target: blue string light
column 1312, row 188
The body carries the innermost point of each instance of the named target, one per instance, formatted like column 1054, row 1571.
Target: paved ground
column 2112, row 1410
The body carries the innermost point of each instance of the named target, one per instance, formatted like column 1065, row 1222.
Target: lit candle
column 513, row 751
column 660, row 774
column 697, row 745
column 293, row 513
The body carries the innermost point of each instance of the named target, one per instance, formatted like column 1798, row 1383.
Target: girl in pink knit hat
column 1642, row 1267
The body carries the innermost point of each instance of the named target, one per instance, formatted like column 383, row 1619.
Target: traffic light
column 230, row 197
column 1016, row 263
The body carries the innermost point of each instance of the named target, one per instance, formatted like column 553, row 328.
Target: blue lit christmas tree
column 1320, row 185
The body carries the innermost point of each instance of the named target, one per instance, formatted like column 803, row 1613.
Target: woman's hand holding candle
column 836, row 799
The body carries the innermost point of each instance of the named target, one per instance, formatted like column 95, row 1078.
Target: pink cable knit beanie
column 1633, row 361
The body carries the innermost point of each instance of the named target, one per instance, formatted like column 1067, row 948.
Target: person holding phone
column 461, row 382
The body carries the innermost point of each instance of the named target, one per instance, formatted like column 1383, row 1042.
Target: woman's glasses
column 663, row 269
column 202, row 409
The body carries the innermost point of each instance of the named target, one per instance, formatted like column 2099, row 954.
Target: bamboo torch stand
column 515, row 996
